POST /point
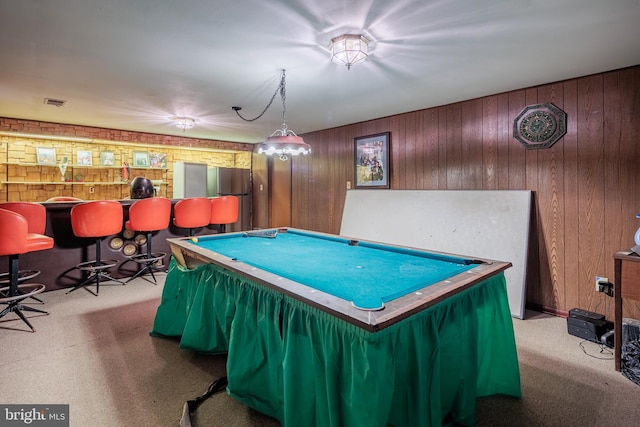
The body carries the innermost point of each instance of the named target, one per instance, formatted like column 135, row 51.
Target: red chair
column 192, row 213
column 224, row 210
column 97, row 220
column 36, row 216
column 15, row 239
column 34, row 213
column 147, row 216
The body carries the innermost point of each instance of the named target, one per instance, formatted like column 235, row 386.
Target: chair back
column 192, row 212
column 98, row 218
column 224, row 210
column 149, row 214
column 34, row 213
column 13, row 233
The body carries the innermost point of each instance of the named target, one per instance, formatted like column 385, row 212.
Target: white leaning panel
column 482, row 224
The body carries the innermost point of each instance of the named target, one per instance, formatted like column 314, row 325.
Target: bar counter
column 57, row 265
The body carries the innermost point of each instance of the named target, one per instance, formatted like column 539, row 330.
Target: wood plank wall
column 18, row 159
column 586, row 187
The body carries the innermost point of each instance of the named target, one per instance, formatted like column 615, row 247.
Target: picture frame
column 45, row 155
column 140, row 159
column 158, row 160
column 107, row 158
column 373, row 161
column 84, row 158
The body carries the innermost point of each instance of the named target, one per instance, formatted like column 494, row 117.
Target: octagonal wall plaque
column 540, row 125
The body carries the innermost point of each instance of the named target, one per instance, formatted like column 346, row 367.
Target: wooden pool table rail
column 189, row 255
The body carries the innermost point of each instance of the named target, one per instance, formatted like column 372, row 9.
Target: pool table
column 331, row 330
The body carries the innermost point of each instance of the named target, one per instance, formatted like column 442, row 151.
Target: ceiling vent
column 54, row 102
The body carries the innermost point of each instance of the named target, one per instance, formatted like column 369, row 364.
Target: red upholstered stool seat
column 224, row 210
column 16, row 239
column 147, row 216
column 96, row 220
column 36, row 216
column 192, row 213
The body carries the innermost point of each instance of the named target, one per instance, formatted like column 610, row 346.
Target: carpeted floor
column 95, row 354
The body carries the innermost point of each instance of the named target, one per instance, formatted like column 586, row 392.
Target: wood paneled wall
column 586, row 187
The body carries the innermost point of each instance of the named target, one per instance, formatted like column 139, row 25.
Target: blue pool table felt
column 366, row 274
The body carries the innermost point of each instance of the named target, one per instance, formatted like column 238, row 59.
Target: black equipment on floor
column 586, row 324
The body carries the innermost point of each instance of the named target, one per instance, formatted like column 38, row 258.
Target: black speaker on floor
column 586, row 324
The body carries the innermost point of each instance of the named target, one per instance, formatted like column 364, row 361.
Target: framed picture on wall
column 107, row 158
column 158, row 160
column 372, row 158
column 140, row 159
column 45, row 155
column 84, row 158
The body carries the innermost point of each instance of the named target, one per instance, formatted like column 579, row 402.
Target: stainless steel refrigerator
column 200, row 180
column 189, row 180
column 232, row 182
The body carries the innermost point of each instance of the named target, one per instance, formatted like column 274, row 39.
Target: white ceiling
column 135, row 64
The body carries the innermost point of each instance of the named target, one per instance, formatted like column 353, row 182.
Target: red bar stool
column 15, row 239
column 36, row 216
column 147, row 216
column 224, row 210
column 192, row 213
column 97, row 219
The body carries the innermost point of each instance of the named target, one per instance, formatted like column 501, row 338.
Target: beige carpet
column 95, row 354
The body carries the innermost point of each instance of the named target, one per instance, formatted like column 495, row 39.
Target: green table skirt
column 303, row 366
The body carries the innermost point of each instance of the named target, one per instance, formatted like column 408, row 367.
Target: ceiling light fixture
column 283, row 142
column 349, row 49
column 184, row 123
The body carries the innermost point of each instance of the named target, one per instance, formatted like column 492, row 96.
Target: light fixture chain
column 283, row 142
column 280, row 89
column 283, row 95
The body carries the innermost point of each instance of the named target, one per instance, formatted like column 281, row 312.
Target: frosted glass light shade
column 349, row 49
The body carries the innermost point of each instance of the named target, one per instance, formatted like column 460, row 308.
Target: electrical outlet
column 92, row 190
column 602, row 284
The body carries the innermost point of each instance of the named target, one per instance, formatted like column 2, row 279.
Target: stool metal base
column 23, row 275
column 13, row 301
column 97, row 271
column 148, row 264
